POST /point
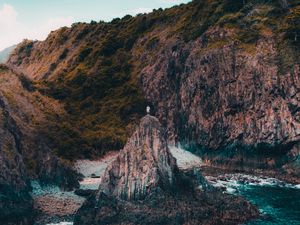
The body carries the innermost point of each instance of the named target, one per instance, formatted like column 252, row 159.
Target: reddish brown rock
column 231, row 106
column 226, row 82
column 145, row 164
column 144, row 186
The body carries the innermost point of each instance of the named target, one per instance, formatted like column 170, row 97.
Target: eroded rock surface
column 24, row 154
column 15, row 202
column 233, row 107
column 144, row 186
column 144, row 164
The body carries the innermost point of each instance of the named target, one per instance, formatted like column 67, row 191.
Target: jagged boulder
column 144, row 165
column 144, row 186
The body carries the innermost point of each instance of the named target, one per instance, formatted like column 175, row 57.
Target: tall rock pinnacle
column 144, row 186
column 144, row 165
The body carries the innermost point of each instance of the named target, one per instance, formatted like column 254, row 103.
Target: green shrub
column 99, row 88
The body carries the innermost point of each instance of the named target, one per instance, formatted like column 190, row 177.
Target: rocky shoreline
column 278, row 174
column 186, row 162
column 53, row 206
column 144, row 185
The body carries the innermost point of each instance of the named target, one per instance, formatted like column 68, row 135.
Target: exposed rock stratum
column 222, row 76
column 144, row 186
column 145, row 164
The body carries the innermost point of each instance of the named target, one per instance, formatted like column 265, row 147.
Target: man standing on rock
column 148, row 110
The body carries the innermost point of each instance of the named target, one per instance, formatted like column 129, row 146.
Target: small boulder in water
column 84, row 192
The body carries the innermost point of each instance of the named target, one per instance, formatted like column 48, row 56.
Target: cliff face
column 24, row 153
column 225, row 98
column 15, row 202
column 30, row 112
column 232, row 94
column 223, row 78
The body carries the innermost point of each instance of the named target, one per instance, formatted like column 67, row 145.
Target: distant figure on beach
column 148, row 110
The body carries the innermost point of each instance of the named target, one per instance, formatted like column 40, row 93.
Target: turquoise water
column 279, row 205
column 278, row 202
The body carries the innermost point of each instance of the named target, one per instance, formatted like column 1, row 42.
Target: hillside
column 24, row 154
column 222, row 76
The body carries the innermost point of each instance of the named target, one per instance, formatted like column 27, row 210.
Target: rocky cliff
column 15, row 202
column 24, row 152
column 233, row 99
column 144, row 186
column 143, row 166
column 31, row 113
column 224, row 101
column 223, row 77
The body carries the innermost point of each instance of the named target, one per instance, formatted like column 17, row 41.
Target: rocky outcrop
column 15, row 202
column 144, row 186
column 24, row 153
column 30, row 111
column 143, row 166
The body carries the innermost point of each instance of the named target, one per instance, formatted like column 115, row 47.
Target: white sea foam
column 231, row 182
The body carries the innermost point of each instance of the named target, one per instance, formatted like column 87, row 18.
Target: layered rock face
column 143, row 166
column 24, row 154
column 144, row 186
column 15, row 202
column 231, row 102
column 223, row 77
column 30, row 112
column 224, row 95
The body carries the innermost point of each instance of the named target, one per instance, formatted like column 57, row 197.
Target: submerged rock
column 144, row 186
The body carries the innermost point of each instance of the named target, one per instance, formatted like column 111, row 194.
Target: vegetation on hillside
column 90, row 67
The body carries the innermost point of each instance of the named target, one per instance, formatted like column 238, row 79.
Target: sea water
column 278, row 205
column 278, row 202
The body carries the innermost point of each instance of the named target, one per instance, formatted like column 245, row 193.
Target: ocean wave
column 231, row 182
